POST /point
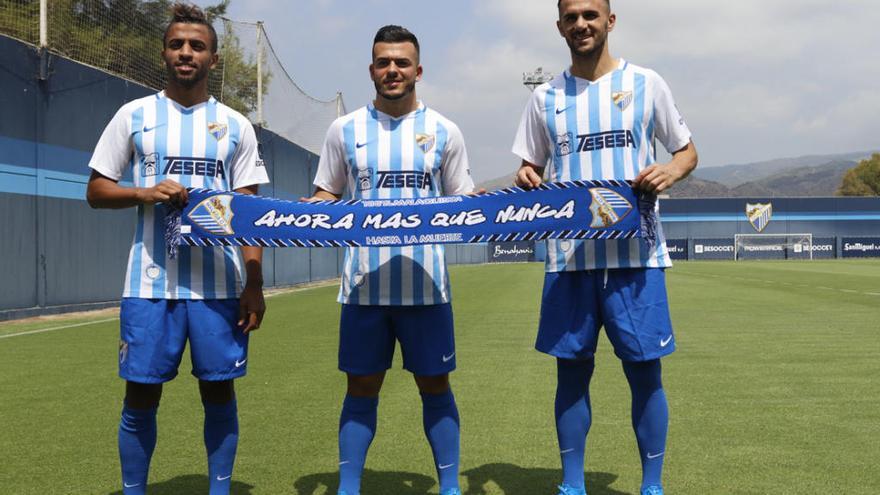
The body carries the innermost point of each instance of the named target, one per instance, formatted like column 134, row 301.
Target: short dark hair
column 396, row 34
column 559, row 3
column 187, row 13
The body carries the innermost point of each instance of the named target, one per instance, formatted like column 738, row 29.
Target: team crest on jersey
column 148, row 165
column 608, row 208
column 564, row 144
column 217, row 130
column 214, row 215
column 365, row 179
column 425, row 142
column 759, row 215
column 622, row 99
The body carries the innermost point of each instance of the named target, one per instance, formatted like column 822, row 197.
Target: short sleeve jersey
column 595, row 130
column 208, row 145
column 370, row 155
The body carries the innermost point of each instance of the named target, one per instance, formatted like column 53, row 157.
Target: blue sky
column 755, row 79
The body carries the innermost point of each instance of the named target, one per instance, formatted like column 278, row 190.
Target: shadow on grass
column 509, row 478
column 516, row 480
column 191, row 483
column 379, row 482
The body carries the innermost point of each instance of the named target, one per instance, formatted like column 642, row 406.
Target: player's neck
column 397, row 108
column 594, row 66
column 188, row 97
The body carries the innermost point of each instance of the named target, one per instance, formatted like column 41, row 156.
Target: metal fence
column 124, row 38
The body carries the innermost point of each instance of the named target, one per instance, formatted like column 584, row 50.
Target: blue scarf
column 592, row 210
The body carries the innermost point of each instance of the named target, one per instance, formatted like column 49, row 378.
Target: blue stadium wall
column 56, row 253
column 841, row 227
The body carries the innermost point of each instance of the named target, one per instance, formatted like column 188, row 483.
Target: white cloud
column 755, row 79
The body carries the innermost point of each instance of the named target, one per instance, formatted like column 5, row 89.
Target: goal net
column 773, row 246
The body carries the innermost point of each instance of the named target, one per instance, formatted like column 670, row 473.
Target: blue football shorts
column 631, row 305
column 367, row 336
column 153, row 335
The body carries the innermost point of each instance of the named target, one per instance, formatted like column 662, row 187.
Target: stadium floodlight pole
column 536, row 78
column 260, row 73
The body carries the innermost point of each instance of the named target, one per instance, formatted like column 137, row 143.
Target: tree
column 124, row 37
column 863, row 179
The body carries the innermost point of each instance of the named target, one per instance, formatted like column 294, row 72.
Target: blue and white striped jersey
column 603, row 129
column 208, row 145
column 370, row 155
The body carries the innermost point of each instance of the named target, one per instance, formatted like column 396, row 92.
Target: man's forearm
column 684, row 161
column 113, row 196
column 253, row 263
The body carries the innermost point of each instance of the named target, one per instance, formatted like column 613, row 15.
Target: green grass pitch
column 774, row 389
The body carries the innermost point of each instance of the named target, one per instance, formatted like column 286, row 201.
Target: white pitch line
column 43, row 330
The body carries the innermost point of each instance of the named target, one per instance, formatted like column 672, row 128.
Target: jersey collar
column 161, row 95
column 621, row 65
column 379, row 115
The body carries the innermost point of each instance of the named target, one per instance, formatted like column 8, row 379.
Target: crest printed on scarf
column 214, row 215
column 425, row 142
column 217, row 130
column 608, row 208
column 759, row 215
column 622, row 99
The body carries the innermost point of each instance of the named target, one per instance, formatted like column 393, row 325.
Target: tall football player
column 179, row 138
column 395, row 148
column 599, row 120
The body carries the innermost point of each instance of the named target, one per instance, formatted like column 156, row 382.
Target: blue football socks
column 650, row 417
column 357, row 427
column 573, row 417
column 221, row 442
column 137, row 440
column 442, row 427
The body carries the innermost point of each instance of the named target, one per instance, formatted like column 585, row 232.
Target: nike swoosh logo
column 655, row 455
column 223, row 478
column 566, row 451
column 148, row 129
column 360, row 145
column 126, row 485
column 239, row 364
column 447, row 358
column 344, row 462
column 665, row 342
column 446, row 466
column 558, row 111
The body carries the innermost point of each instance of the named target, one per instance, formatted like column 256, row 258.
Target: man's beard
column 597, row 49
column 187, row 82
column 408, row 90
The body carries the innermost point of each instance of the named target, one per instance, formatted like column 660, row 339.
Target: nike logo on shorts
column 239, row 364
column 665, row 342
column 447, row 358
